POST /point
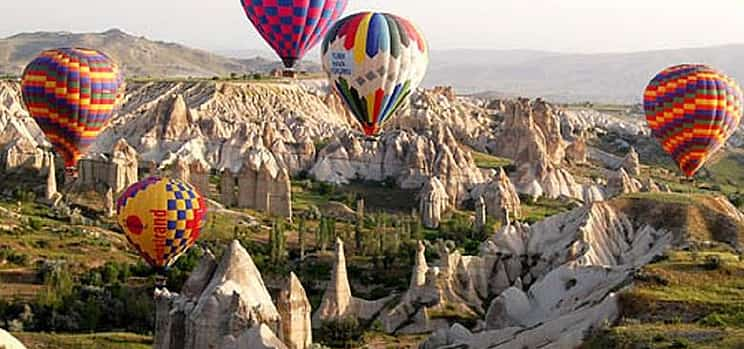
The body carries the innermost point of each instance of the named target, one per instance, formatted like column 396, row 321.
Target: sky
column 569, row 26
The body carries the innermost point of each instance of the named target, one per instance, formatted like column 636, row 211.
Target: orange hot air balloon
column 72, row 93
column 692, row 110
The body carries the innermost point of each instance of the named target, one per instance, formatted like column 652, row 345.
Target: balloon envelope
column 72, row 94
column 293, row 27
column 692, row 110
column 161, row 218
column 374, row 61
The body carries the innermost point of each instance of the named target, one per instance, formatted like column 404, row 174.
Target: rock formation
column 218, row 305
column 294, row 309
column 218, row 123
column 409, row 158
column 338, row 303
column 109, row 208
column 433, row 202
column 619, row 182
column 576, row 152
column 7, row 341
column 501, row 198
column 199, row 177
column 116, row 170
column 256, row 337
column 51, row 195
column 631, row 163
column 456, row 284
column 531, row 136
column 480, row 214
column 261, row 185
column 195, row 172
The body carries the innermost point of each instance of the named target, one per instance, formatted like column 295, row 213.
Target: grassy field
column 689, row 300
column 488, row 161
column 534, row 211
column 84, row 341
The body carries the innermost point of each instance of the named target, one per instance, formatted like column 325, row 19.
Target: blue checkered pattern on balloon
column 293, row 27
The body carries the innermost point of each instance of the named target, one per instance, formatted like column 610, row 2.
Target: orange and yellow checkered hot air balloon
column 692, row 110
column 161, row 218
column 72, row 94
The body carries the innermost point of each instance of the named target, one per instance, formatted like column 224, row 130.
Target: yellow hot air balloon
column 162, row 218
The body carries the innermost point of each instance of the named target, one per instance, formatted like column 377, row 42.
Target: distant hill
column 608, row 78
column 138, row 56
column 600, row 78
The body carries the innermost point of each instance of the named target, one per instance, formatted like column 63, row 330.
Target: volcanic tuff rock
column 409, row 157
column 261, row 184
column 467, row 118
column 433, row 202
column 219, row 123
column 338, row 303
column 220, row 302
column 7, row 341
column 591, row 251
column 256, row 337
column 501, row 198
column 294, row 309
column 457, row 283
column 631, row 163
column 116, row 170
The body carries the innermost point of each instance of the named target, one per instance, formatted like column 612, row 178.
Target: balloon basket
column 289, row 73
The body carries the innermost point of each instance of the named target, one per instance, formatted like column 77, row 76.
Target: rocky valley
column 468, row 223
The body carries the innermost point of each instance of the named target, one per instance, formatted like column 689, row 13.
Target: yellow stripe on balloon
column 360, row 44
column 371, row 107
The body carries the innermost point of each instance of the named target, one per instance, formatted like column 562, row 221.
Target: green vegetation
column 483, row 160
column 113, row 340
column 537, row 210
column 688, row 300
column 343, row 333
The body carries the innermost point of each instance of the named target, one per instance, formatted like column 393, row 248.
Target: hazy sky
column 555, row 25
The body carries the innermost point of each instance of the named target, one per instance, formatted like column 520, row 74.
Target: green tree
column 358, row 235
column 301, row 236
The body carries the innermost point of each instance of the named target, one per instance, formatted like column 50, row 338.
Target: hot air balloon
column 692, row 110
column 293, row 27
column 161, row 218
column 72, row 94
column 374, row 61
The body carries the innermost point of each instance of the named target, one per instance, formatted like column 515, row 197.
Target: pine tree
column 301, row 236
column 358, row 236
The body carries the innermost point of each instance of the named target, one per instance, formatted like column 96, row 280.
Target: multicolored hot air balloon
column 374, row 61
column 161, row 218
column 692, row 110
column 72, row 94
column 293, row 27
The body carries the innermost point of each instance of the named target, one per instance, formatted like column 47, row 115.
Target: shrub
column 712, row 262
column 341, row 332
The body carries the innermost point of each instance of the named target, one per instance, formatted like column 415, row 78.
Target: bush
column 340, row 333
column 13, row 257
column 713, row 262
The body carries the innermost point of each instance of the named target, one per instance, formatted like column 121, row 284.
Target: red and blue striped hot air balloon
column 72, row 94
column 293, row 27
column 692, row 110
